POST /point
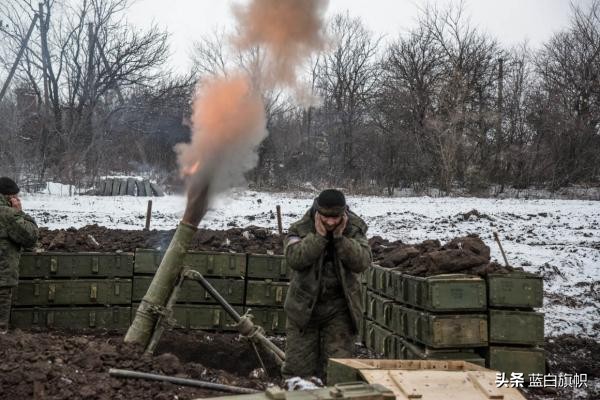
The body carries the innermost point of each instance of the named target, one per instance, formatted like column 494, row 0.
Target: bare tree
column 82, row 55
column 346, row 79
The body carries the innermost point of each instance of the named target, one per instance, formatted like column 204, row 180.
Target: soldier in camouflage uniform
column 326, row 251
column 17, row 230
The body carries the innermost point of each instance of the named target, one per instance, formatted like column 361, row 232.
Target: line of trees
column 444, row 105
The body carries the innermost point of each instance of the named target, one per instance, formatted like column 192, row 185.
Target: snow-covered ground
column 559, row 239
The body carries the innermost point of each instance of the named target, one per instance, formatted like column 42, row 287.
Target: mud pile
column 251, row 239
column 468, row 254
column 465, row 255
column 62, row 365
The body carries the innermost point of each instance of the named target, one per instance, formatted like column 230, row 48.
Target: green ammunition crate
column 267, row 267
column 442, row 330
column 515, row 290
column 441, row 293
column 526, row 360
column 379, row 339
column 371, row 308
column 206, row 262
column 209, row 317
column 390, row 289
column 76, row 265
column 361, row 329
column 73, row 292
column 113, row 317
column 266, row 293
column 516, row 327
column 232, row 290
column 380, row 310
column 378, row 279
column 407, row 350
column 271, row 319
column 369, row 275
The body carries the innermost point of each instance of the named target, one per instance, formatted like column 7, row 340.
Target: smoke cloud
column 228, row 113
column 289, row 30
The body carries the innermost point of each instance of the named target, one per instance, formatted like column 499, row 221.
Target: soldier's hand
column 319, row 226
column 339, row 230
column 15, row 202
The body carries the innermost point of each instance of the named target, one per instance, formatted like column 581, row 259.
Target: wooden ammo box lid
column 75, row 265
column 516, row 290
column 424, row 379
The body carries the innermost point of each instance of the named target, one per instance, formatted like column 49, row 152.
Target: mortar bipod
column 243, row 323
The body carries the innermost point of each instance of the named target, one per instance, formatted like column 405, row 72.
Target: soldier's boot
column 5, row 300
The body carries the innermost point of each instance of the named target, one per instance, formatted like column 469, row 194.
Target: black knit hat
column 8, row 186
column 331, row 203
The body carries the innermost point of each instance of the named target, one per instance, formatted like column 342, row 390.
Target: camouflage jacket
column 17, row 230
column 305, row 257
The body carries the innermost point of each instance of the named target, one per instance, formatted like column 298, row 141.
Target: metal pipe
column 124, row 373
column 164, row 281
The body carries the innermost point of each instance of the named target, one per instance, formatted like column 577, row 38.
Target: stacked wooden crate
column 456, row 316
column 73, row 290
column 89, row 290
column 267, row 284
column 195, row 308
column 515, row 328
column 438, row 317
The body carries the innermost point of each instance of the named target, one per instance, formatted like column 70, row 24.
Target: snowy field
column 559, row 239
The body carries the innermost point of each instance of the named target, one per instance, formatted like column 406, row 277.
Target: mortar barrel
column 161, row 287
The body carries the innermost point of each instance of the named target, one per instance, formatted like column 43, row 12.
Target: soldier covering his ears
column 17, row 230
column 326, row 250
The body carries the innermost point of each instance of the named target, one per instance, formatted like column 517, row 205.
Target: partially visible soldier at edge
column 17, row 230
column 327, row 251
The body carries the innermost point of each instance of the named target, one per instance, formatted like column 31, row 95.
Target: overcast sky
column 510, row 21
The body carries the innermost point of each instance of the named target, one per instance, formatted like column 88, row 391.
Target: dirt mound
column 568, row 354
column 461, row 255
column 60, row 365
column 251, row 239
column 468, row 255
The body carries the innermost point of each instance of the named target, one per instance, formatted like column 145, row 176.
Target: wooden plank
column 430, row 384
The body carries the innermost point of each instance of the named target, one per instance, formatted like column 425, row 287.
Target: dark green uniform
column 17, row 230
column 323, row 304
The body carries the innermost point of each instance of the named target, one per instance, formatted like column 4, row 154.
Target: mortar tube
column 161, row 286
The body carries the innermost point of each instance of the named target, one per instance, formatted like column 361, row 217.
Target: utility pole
column 499, row 135
column 19, row 55
column 500, row 93
column 90, row 66
column 44, row 106
column 44, row 44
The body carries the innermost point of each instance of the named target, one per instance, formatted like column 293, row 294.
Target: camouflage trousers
column 307, row 350
column 5, row 300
